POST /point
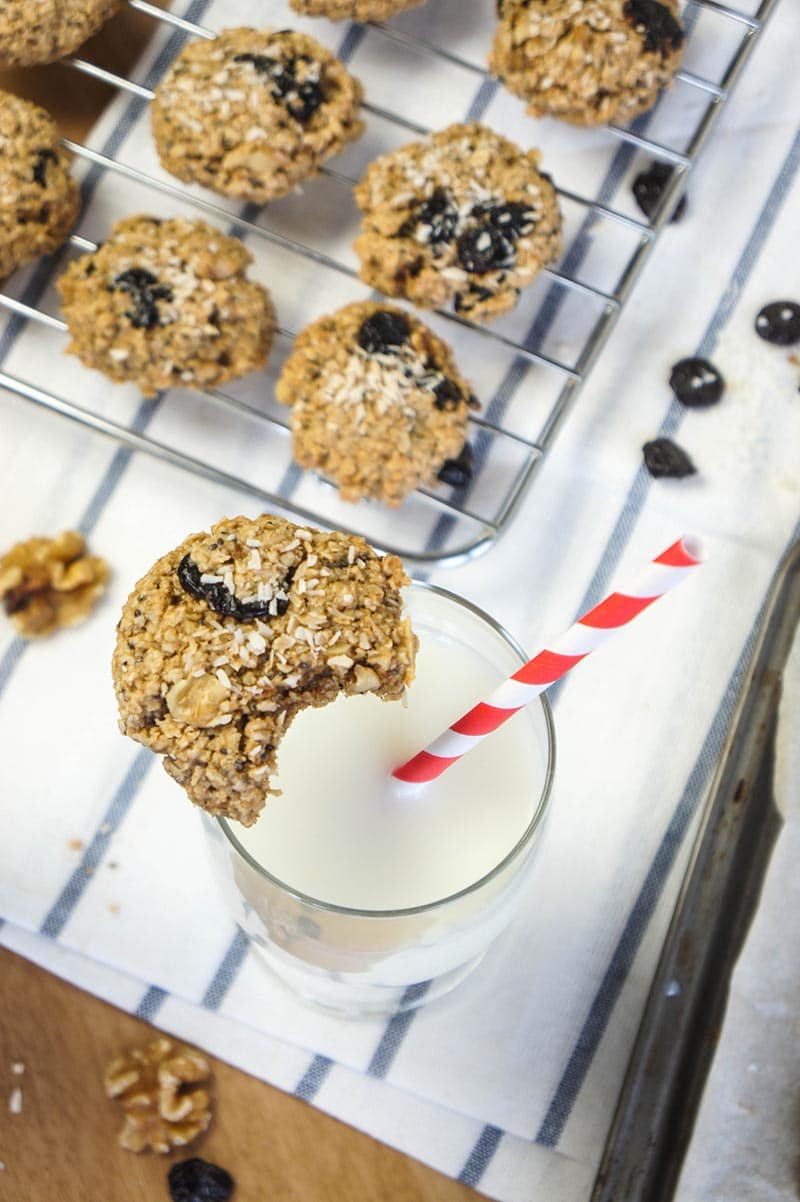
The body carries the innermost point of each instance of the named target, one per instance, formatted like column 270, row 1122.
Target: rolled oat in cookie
column 464, row 217
column 253, row 112
column 587, row 61
column 166, row 304
column 377, row 403
column 353, row 10
column 228, row 637
column 39, row 199
column 41, row 31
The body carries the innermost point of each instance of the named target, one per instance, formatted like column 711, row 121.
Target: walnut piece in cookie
column 166, row 304
column 39, row 199
column 377, row 403
column 49, row 583
column 47, row 30
column 464, row 216
column 228, row 637
column 162, row 1088
column 254, row 112
column 588, row 63
column 353, row 10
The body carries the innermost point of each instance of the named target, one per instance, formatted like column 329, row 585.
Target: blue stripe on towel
column 481, row 1155
column 313, row 1078
column 152, row 1001
column 393, row 1036
column 227, row 971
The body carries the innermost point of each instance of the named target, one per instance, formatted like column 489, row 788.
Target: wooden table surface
column 62, row 1146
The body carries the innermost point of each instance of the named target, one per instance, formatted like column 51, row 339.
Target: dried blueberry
column 513, row 219
column 382, row 331
column 779, row 323
column 434, row 222
column 40, row 166
column 197, row 1180
column 458, row 472
column 696, row 382
column 656, row 23
column 648, row 188
column 485, row 249
column 447, row 395
column 663, row 457
column 300, row 97
column 225, row 603
column 145, row 290
column 465, row 302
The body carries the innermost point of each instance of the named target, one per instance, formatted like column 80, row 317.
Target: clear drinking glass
column 373, row 959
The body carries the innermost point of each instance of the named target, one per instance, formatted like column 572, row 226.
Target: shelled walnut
column 47, row 583
column 160, row 1089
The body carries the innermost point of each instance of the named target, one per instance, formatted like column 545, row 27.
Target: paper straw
column 553, row 662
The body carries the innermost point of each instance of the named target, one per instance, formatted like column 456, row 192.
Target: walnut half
column 47, row 583
column 160, row 1089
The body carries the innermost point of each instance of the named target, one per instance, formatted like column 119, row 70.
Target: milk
column 345, row 833
column 367, row 896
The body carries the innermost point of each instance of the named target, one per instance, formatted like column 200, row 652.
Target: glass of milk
column 366, row 896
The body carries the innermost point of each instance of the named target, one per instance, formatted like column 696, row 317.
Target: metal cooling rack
column 446, row 525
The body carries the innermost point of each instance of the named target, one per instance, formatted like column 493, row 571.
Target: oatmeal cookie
column 166, row 304
column 230, row 635
column 464, row 216
column 377, row 401
column 39, row 199
column 587, row 61
column 45, row 30
column 253, row 112
column 353, row 10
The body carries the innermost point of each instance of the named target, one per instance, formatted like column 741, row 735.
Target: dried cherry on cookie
column 458, row 472
column 144, row 289
column 300, row 97
column 659, row 28
column 383, row 331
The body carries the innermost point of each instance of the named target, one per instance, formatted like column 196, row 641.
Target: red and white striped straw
column 660, row 575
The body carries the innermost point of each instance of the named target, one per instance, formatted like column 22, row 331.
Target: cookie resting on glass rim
column 39, row 199
column 46, row 30
column 166, row 304
column 252, row 113
column 377, row 402
column 234, row 632
column 587, row 61
column 464, row 216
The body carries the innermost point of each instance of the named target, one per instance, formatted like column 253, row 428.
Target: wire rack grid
column 549, row 345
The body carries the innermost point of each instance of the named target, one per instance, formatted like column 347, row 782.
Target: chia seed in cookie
column 39, row 199
column 214, row 692
column 252, row 112
column 590, row 62
column 464, row 217
column 166, row 304
column 377, row 403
